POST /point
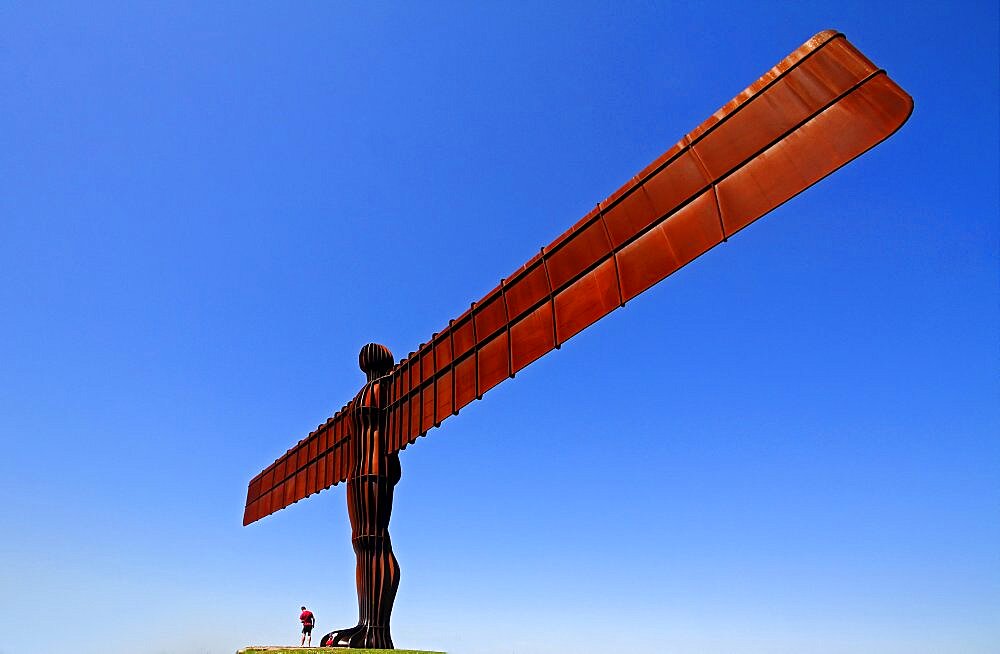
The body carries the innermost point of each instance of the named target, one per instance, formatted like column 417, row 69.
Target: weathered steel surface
column 374, row 473
column 818, row 109
column 315, row 463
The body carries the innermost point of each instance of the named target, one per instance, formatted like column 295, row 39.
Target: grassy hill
column 327, row 650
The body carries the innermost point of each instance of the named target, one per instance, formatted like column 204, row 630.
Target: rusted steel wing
column 818, row 109
column 315, row 463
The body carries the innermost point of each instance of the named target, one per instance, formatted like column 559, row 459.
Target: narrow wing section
column 315, row 463
column 818, row 109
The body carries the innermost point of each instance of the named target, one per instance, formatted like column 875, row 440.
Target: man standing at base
column 308, row 622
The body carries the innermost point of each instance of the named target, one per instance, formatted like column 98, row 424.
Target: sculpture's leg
column 342, row 637
column 369, row 505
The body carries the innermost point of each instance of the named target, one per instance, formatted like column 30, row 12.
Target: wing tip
column 824, row 36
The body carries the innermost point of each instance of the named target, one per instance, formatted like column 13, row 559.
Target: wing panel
column 319, row 480
column 659, row 194
column 781, row 68
column 442, row 351
column 425, row 362
column 402, row 413
column 645, row 261
column 463, row 336
column 393, row 418
column 403, row 405
column 694, row 229
column 829, row 72
column 341, row 448
column 322, row 480
column 428, row 406
column 337, row 462
column 586, row 300
column 494, row 362
column 443, row 385
column 531, row 337
column 415, row 406
column 346, row 460
column 443, row 396
column 314, row 444
column 465, row 381
column 526, row 290
column 399, row 414
column 577, row 253
column 490, row 316
column 266, row 482
column 311, row 479
column 253, row 491
column 261, row 507
column 840, row 133
column 331, row 469
column 404, row 369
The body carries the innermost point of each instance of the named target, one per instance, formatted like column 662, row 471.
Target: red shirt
column 307, row 617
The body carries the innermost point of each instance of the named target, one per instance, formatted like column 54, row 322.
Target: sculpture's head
column 376, row 360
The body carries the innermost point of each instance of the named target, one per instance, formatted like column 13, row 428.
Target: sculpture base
column 280, row 649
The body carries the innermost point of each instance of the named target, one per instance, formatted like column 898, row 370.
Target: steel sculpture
column 818, row 109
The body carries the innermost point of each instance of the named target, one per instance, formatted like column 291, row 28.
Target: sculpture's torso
column 368, row 422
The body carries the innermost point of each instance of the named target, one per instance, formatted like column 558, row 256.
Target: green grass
column 328, row 650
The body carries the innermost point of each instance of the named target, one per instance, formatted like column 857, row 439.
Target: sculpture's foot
column 339, row 638
column 372, row 638
column 365, row 636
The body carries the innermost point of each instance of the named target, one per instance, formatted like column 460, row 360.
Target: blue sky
column 206, row 211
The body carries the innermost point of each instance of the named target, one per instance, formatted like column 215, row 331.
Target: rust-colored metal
column 373, row 474
column 818, row 109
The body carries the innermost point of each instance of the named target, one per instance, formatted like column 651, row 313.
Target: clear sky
column 206, row 211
